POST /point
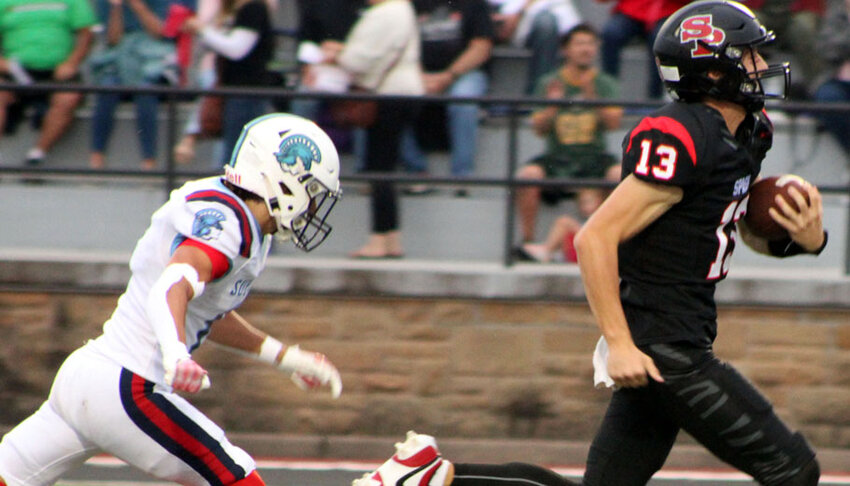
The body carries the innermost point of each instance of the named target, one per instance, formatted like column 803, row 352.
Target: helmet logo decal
column 699, row 28
column 207, row 224
column 295, row 149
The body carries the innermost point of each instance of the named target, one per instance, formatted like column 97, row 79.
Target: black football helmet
column 713, row 35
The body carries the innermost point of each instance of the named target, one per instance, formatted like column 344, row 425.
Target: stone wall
column 458, row 368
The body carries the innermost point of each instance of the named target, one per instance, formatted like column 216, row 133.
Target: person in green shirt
column 575, row 135
column 43, row 41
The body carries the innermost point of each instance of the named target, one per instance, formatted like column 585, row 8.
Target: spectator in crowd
column 210, row 12
column 796, row 23
column 558, row 244
column 575, row 135
column 631, row 19
column 834, row 44
column 244, row 49
column 137, row 54
column 457, row 38
column 382, row 54
column 536, row 25
column 319, row 21
column 43, row 41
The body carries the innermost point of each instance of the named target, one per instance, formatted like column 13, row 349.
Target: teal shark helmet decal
column 295, row 149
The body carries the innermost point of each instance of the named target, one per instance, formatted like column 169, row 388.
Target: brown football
column 763, row 197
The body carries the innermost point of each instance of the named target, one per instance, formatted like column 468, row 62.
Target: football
column 762, row 197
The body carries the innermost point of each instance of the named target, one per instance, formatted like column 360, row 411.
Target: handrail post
column 170, row 142
column 847, row 238
column 513, row 148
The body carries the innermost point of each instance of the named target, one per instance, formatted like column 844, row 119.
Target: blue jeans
column 544, row 42
column 617, row 32
column 462, row 120
column 104, row 119
column 838, row 124
column 237, row 112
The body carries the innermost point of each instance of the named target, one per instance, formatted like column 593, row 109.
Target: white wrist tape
column 160, row 317
column 269, row 350
column 295, row 360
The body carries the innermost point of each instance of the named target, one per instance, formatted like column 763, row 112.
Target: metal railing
column 511, row 108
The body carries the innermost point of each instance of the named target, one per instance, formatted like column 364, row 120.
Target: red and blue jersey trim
column 241, row 214
column 166, row 424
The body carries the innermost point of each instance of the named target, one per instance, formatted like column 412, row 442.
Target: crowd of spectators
column 347, row 43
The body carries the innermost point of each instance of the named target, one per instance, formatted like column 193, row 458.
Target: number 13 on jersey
column 662, row 168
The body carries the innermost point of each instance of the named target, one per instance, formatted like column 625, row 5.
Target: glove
column 183, row 374
column 311, row 370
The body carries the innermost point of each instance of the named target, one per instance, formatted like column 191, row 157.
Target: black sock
column 510, row 474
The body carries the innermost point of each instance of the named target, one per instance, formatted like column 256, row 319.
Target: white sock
column 35, row 153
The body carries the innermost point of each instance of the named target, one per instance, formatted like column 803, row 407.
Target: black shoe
column 461, row 193
column 523, row 256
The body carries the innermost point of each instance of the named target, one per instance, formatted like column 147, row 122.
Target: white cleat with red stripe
column 417, row 462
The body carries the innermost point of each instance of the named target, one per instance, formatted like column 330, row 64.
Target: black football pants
column 712, row 402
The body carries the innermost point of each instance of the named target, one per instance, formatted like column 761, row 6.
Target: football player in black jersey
column 665, row 236
column 652, row 254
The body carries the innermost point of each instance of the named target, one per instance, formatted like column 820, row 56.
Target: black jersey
column 669, row 270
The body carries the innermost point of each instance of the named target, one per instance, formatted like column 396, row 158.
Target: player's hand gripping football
column 629, row 367
column 186, row 375
column 806, row 225
column 311, row 370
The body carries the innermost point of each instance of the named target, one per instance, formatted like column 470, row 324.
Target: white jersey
column 204, row 210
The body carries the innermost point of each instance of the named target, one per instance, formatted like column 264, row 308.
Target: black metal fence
column 511, row 108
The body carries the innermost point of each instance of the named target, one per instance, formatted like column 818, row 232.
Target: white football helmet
column 293, row 165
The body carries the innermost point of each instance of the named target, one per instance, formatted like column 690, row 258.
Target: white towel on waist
column 601, row 378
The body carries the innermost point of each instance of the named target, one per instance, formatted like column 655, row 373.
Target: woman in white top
column 382, row 55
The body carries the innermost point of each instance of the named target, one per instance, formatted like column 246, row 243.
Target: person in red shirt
column 630, row 19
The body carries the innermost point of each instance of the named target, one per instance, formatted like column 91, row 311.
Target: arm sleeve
column 82, row 15
column 250, row 21
column 233, row 45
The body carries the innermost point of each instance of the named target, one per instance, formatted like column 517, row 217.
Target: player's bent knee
column 252, row 479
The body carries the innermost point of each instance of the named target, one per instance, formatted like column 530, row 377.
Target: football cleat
column 416, row 462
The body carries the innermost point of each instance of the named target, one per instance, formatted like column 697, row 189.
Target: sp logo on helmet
column 699, row 30
column 297, row 154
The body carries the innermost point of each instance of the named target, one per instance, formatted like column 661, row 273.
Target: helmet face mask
column 293, row 166
column 311, row 228
column 700, row 52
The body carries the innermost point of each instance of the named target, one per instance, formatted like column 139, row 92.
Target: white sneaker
column 417, row 462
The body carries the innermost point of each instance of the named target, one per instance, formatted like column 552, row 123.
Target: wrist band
column 787, row 247
column 269, row 350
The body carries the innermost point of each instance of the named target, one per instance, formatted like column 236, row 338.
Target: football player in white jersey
column 190, row 271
